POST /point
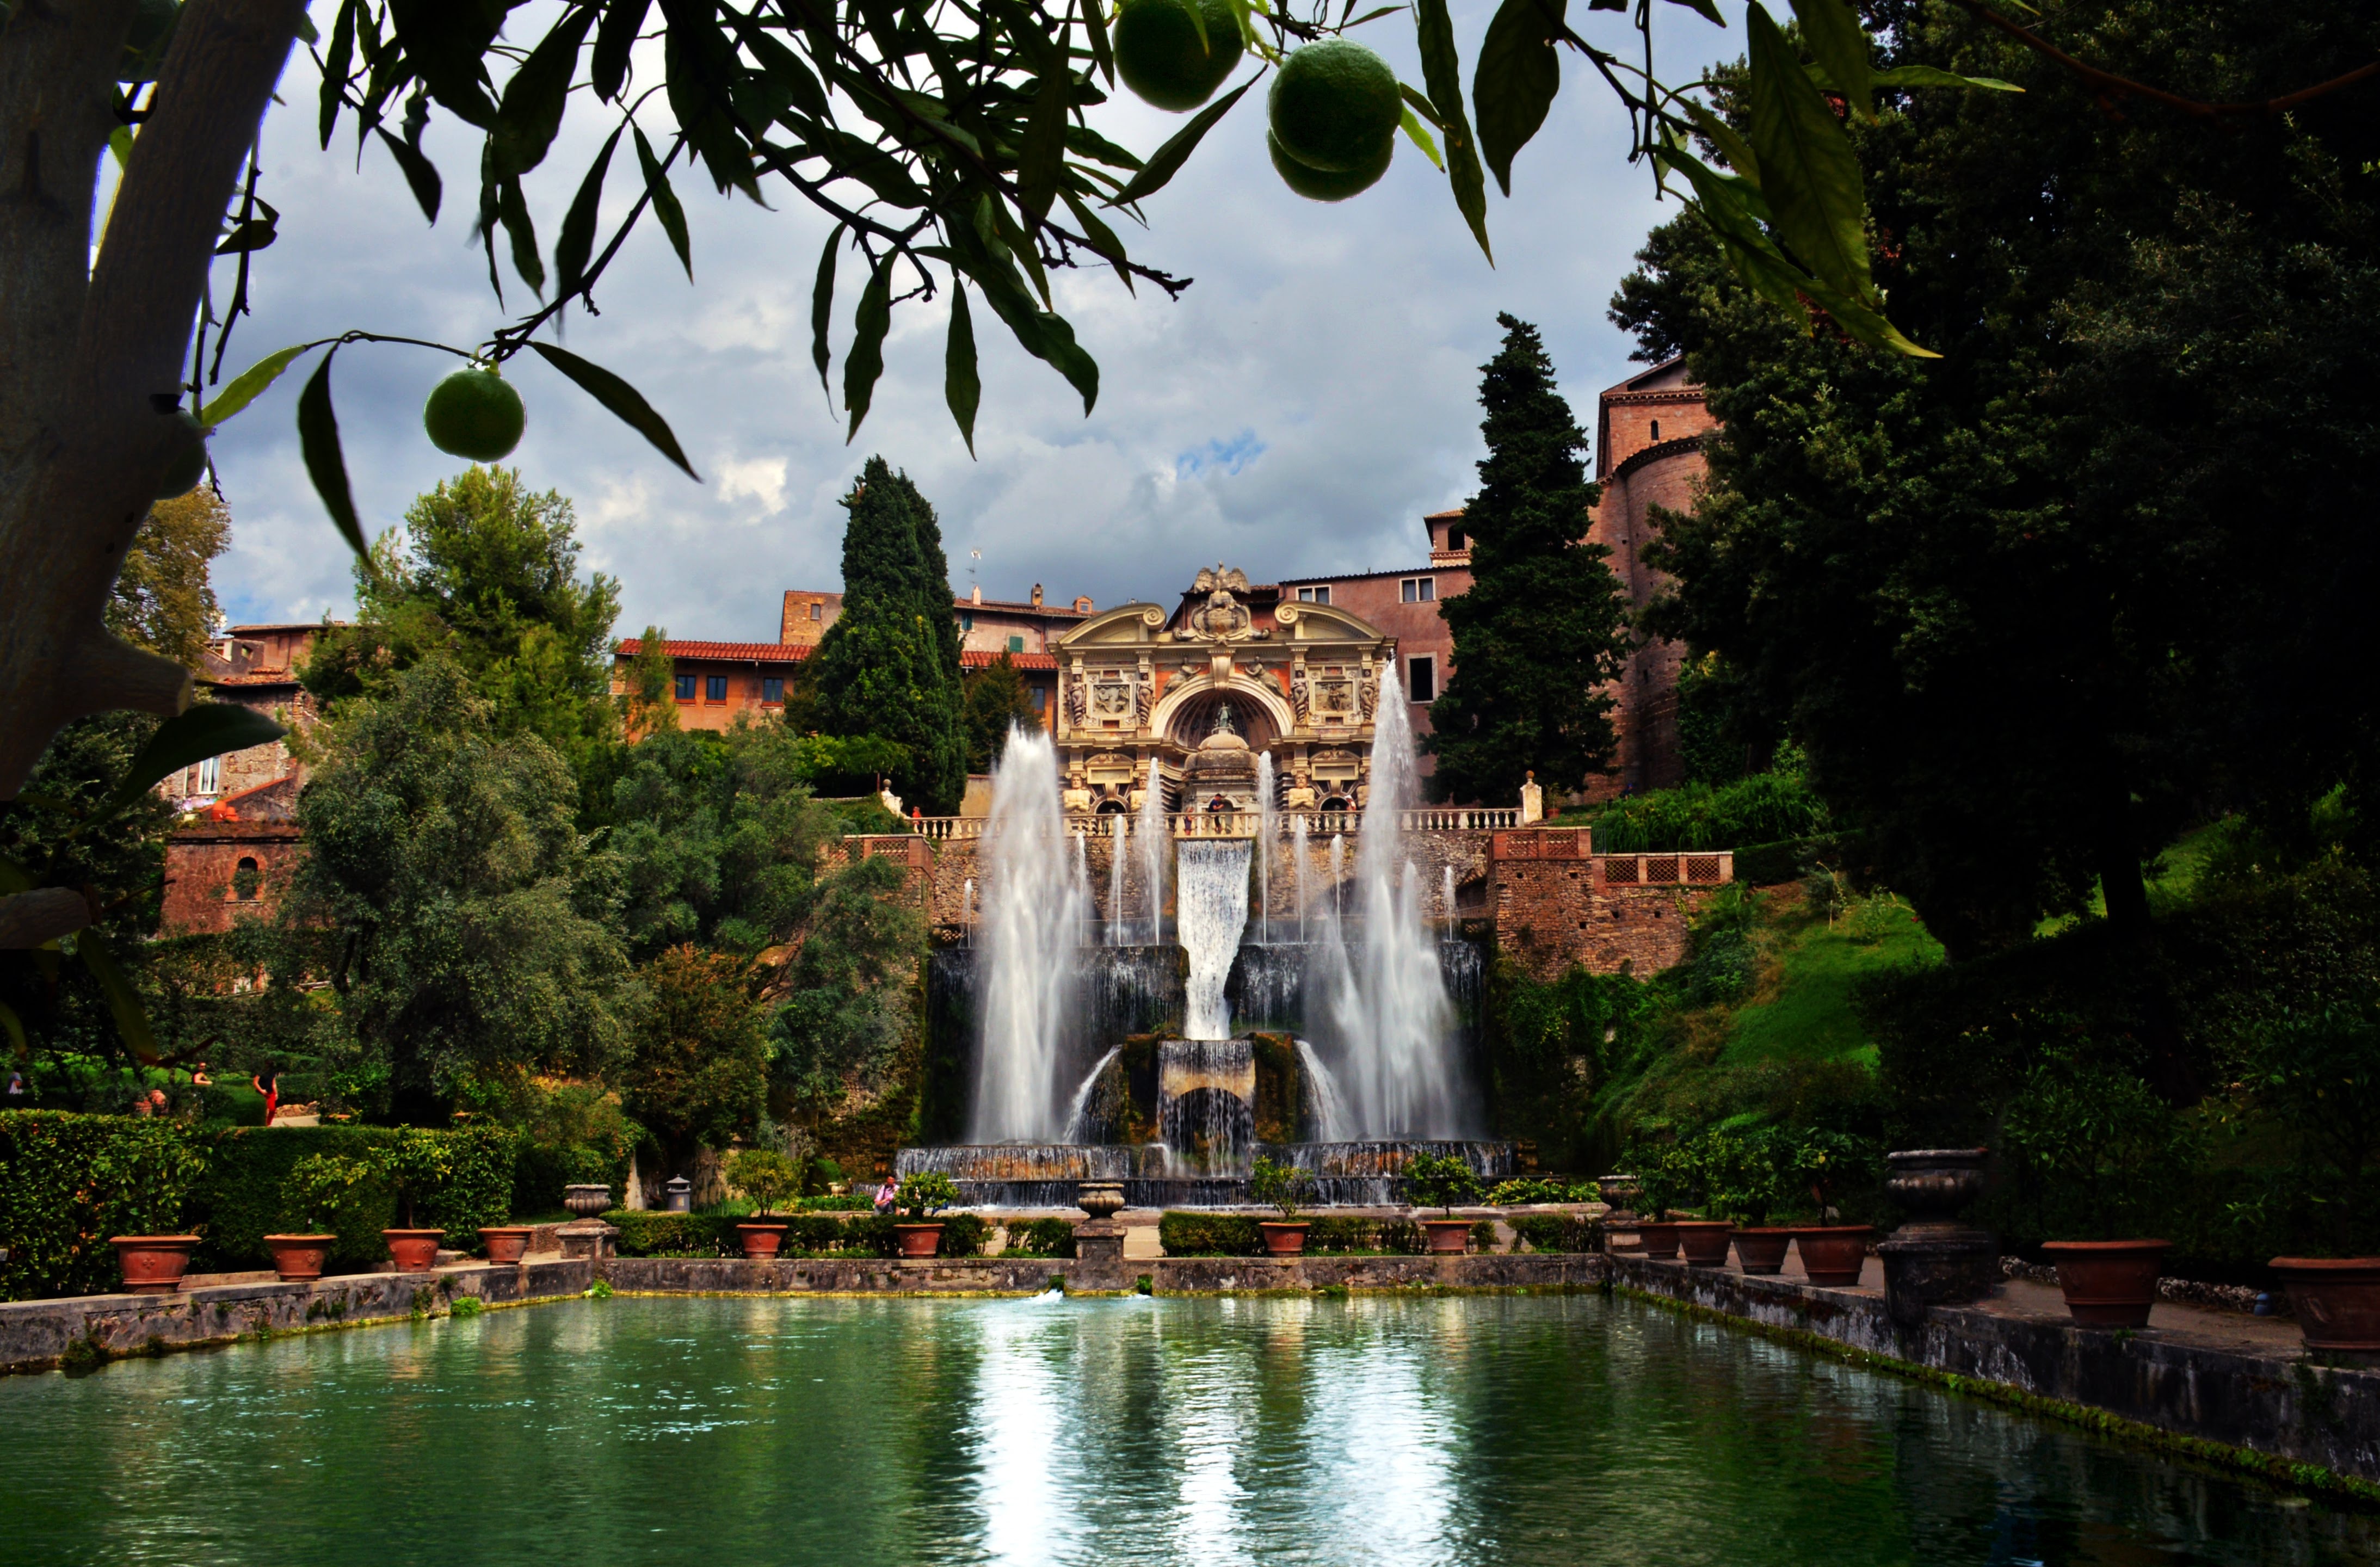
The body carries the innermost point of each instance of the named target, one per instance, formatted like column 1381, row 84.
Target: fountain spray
column 1153, row 843
column 1033, row 915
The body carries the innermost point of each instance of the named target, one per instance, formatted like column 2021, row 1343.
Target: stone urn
column 1934, row 1260
column 154, row 1265
column 1100, row 1199
column 586, row 1201
column 1621, row 1234
column 1098, row 1240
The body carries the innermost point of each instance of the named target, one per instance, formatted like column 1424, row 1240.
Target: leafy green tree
column 463, row 926
column 888, row 666
column 851, row 1004
column 716, row 836
column 995, row 700
column 163, row 599
column 1543, row 628
column 2098, row 568
column 697, row 1075
column 485, row 571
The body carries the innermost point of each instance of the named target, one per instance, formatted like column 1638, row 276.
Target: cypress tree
column 888, row 666
column 1543, row 629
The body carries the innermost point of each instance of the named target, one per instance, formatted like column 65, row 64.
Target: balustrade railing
column 1237, row 823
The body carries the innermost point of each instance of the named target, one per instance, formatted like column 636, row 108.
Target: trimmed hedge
column 1554, row 1231
column 645, row 1232
column 1233, row 1234
column 68, row 1182
column 240, row 1200
column 1042, row 1237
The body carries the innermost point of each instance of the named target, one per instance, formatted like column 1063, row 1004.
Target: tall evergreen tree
column 1544, row 628
column 888, row 666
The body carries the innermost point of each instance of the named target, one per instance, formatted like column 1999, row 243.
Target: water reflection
column 1372, row 1432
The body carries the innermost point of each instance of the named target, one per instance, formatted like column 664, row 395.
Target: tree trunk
column 90, row 355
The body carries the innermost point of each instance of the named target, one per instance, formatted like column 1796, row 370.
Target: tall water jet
column 1446, row 897
column 1033, row 913
column 1297, row 851
column 1083, row 886
column 1115, row 877
column 1267, row 823
column 1392, row 1025
column 1153, row 840
column 966, row 910
column 1210, row 910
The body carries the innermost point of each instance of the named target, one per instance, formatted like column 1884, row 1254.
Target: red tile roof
column 757, row 652
column 971, row 658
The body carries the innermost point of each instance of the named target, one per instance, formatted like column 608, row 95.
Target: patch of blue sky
column 1219, row 456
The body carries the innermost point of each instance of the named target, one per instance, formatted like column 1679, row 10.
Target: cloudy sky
column 1294, row 413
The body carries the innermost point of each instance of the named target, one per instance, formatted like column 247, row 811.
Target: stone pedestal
column 589, row 1238
column 1099, row 1240
column 1932, row 1259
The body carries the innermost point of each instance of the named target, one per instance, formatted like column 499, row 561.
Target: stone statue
column 1077, row 701
column 1144, row 698
column 1368, row 692
column 1300, row 694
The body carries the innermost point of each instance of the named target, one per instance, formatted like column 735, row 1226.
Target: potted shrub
column 1703, row 1241
column 1441, row 1181
column 2099, row 1142
column 1281, row 1188
column 1656, row 1233
column 1825, row 1164
column 2320, row 1075
column 415, row 1166
column 1747, row 1185
column 767, row 1177
column 318, row 1187
column 919, row 1197
column 154, row 1265
column 152, row 1187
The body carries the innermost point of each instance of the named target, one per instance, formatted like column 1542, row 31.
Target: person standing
column 271, row 1088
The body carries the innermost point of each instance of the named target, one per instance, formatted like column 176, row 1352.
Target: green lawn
column 1809, row 1015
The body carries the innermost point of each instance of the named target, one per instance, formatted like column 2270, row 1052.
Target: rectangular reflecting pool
column 1531, row 1430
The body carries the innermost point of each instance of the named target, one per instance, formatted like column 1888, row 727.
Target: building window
column 714, row 688
column 1313, row 595
column 686, row 688
column 1040, row 699
column 210, row 777
column 1421, row 675
column 966, row 620
column 246, row 880
column 1454, row 539
column 1016, row 644
column 817, row 610
column 1656, row 429
column 1418, row 589
column 773, row 690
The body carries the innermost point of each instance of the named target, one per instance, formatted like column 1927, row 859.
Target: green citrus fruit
column 189, row 464
column 1325, row 185
column 1334, row 105
column 475, row 414
column 1160, row 58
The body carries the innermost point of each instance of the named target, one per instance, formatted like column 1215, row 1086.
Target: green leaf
column 512, row 211
column 250, row 385
column 1864, row 322
column 962, row 385
column 420, row 174
column 335, row 66
column 1103, row 238
column 255, row 234
column 131, row 1022
column 865, row 360
column 445, row 42
column 1705, row 7
column 609, row 67
column 1169, row 158
column 1519, row 73
column 1808, row 169
column 539, row 92
column 1085, row 142
column 1040, row 332
column 1934, row 76
column 1732, row 147
column 1840, row 46
column 1102, row 52
column 1419, row 135
column 15, row 1029
column 625, row 402
column 1441, row 69
column 318, row 441
column 665, row 203
column 202, row 730
column 823, row 307
column 1041, row 163
column 577, row 243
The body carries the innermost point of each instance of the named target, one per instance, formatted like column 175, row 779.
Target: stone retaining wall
column 38, row 1335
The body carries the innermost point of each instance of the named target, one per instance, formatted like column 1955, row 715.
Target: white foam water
column 1267, row 824
column 1153, row 840
column 1032, row 912
column 1210, row 910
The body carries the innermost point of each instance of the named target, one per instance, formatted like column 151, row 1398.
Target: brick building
column 252, row 667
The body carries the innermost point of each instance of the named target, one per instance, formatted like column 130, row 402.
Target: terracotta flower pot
column 1284, row 1237
column 2336, row 1300
column 506, row 1243
column 299, row 1259
column 414, row 1251
column 1832, row 1255
column 919, row 1240
column 1762, row 1252
column 1703, row 1241
column 2108, row 1283
column 762, row 1240
column 1657, row 1240
column 1448, row 1237
column 154, row 1265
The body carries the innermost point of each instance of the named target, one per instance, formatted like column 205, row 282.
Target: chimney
column 975, row 593
column 1082, row 606
column 1036, row 595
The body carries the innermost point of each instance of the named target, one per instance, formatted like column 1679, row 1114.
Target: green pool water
column 717, row 1433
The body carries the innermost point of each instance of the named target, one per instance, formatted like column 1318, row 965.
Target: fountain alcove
column 1088, row 1035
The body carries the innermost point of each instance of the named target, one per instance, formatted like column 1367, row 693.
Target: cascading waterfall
column 1267, row 823
column 1033, row 913
column 1076, row 1130
column 1115, row 879
column 1210, row 910
column 1153, row 839
column 1331, row 1124
column 1392, row 1025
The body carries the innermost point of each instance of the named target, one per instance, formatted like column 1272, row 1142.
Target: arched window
column 247, row 880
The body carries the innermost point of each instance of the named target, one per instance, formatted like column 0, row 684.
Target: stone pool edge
column 2288, row 1421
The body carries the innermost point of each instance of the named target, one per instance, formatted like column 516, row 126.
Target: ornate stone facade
column 1298, row 680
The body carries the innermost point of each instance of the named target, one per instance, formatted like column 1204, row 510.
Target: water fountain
column 1033, row 917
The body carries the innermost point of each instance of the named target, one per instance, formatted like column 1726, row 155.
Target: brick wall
column 1551, row 908
column 201, row 869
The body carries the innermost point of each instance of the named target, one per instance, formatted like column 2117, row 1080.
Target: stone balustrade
column 1320, row 824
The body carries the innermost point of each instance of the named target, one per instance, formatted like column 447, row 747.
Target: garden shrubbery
column 1190, row 1233
column 1041, row 1237
column 68, row 1182
column 466, row 1180
column 647, row 1233
column 1763, row 808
